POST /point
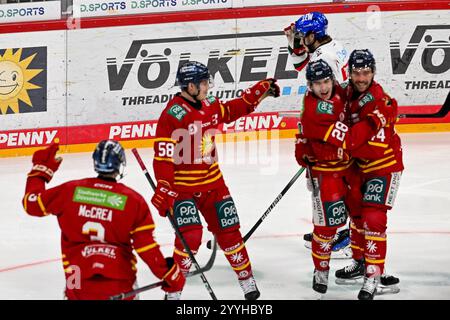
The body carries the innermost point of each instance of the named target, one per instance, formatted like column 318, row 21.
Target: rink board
column 90, row 82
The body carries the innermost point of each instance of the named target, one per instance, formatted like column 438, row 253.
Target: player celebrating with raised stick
column 188, row 175
column 101, row 222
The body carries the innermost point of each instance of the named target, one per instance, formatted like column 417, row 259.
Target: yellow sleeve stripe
column 341, row 168
column 328, row 133
column 235, row 250
column 41, row 205
column 374, row 261
column 25, row 200
column 375, row 238
column 180, row 253
column 66, row 263
column 163, row 159
column 147, row 227
column 165, row 139
column 388, row 151
column 380, row 167
column 374, row 163
column 327, row 257
column 378, row 144
column 242, row 267
column 222, row 110
column 146, row 248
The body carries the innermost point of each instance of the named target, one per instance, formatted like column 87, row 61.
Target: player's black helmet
column 318, row 70
column 109, row 157
column 361, row 58
column 194, row 72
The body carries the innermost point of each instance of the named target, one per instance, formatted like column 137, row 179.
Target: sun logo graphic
column 22, row 80
column 237, row 257
column 371, row 246
column 207, row 145
column 186, row 263
column 325, row 246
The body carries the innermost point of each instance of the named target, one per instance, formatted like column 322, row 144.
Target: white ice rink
column 418, row 227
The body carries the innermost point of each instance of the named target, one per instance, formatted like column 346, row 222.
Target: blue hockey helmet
column 194, row 72
column 313, row 22
column 318, row 70
column 109, row 157
column 361, row 58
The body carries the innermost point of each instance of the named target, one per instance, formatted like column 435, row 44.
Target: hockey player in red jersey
column 380, row 166
column 188, row 175
column 101, row 222
column 323, row 107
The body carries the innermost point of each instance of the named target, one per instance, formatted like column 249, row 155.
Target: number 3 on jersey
column 95, row 230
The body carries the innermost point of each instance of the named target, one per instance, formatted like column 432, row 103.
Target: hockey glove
column 328, row 152
column 164, row 197
column 174, row 279
column 303, row 152
column 294, row 42
column 44, row 162
column 264, row 88
column 384, row 114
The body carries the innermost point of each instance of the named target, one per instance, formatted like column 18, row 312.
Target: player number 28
column 339, row 131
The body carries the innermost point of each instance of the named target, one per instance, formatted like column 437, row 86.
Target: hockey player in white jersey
column 308, row 40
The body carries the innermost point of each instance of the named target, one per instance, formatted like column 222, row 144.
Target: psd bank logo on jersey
column 375, row 190
column 429, row 44
column 23, row 80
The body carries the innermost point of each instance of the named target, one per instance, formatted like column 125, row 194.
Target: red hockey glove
column 264, row 88
column 328, row 152
column 385, row 113
column 303, row 152
column 44, row 162
column 174, row 279
column 164, row 197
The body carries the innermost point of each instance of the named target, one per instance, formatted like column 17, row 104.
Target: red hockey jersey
column 383, row 152
column 101, row 222
column 185, row 150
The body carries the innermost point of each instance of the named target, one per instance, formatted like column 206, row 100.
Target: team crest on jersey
column 324, row 107
column 367, row 98
column 207, row 145
column 211, row 99
column 177, row 111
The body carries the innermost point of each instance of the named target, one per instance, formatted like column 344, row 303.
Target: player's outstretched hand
column 164, row 197
column 261, row 90
column 44, row 162
column 174, row 279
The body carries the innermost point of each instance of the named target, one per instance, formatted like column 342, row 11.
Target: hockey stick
column 440, row 114
column 134, row 292
column 177, row 231
column 272, row 205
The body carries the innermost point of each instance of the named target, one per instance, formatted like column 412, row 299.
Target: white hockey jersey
column 332, row 53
